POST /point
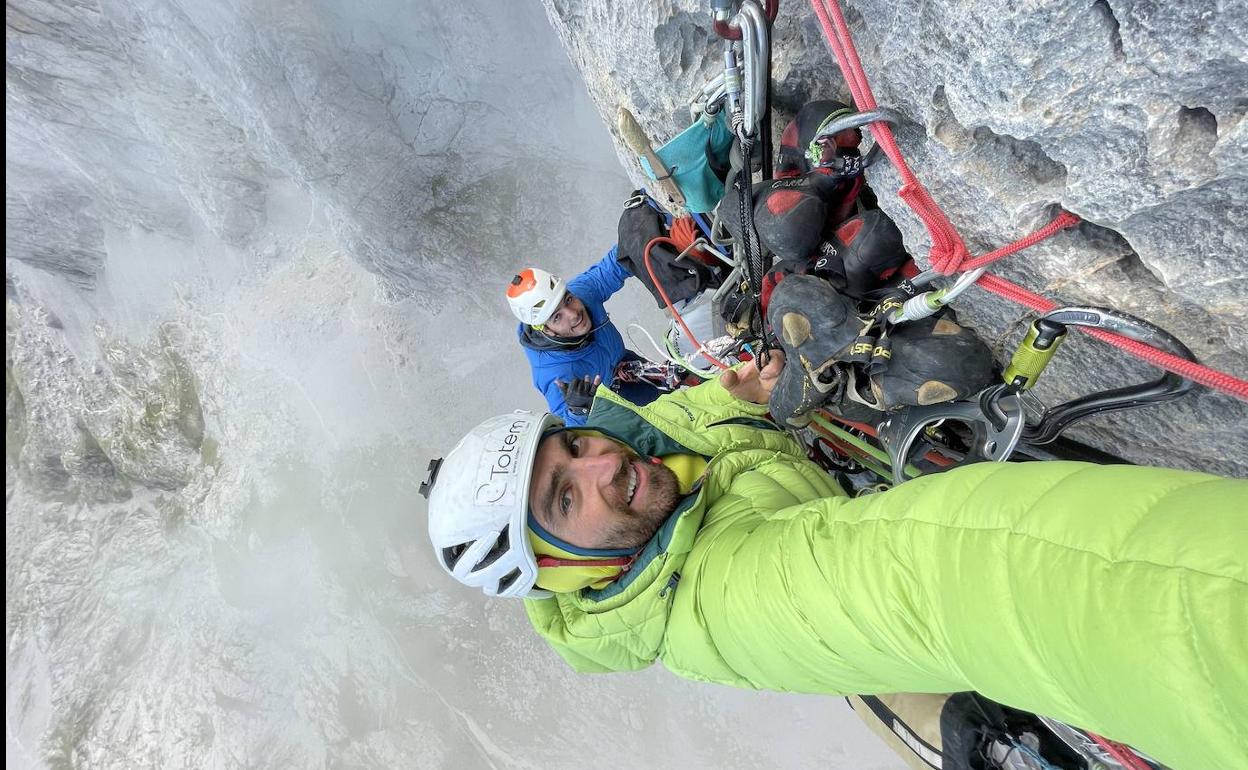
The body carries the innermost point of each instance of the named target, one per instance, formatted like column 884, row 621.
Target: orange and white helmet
column 535, row 294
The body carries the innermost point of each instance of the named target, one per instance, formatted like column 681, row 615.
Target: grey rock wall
column 175, row 116
column 1129, row 114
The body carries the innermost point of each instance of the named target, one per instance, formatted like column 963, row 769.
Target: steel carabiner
column 1043, row 339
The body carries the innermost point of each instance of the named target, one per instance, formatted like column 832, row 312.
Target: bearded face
column 593, row 492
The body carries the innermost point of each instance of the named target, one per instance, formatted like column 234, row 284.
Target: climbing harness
column 1102, row 751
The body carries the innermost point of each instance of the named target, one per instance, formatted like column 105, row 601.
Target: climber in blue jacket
column 569, row 339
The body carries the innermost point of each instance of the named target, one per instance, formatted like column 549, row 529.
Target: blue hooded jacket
column 597, row 356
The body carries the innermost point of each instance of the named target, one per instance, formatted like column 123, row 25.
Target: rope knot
column 947, row 258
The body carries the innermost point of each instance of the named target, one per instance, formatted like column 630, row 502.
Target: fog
column 254, row 272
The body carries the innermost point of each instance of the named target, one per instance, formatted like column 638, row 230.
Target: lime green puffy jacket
column 1111, row 597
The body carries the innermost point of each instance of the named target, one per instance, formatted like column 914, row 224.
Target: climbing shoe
column 815, row 326
column 861, row 254
column 791, row 215
column 856, row 258
column 930, row 361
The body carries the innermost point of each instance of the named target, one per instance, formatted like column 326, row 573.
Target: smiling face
column 595, row 493
column 571, row 319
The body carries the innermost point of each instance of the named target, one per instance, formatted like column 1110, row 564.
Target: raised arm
column 1111, row 597
column 600, row 281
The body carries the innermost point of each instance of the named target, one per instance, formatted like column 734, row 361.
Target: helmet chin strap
column 623, row 562
column 567, row 341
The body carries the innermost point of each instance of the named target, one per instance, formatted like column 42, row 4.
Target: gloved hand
column 579, row 394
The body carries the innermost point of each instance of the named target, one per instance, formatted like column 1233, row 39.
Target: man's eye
column 565, row 503
column 574, row 448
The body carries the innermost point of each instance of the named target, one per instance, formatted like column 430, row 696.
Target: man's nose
column 602, row 468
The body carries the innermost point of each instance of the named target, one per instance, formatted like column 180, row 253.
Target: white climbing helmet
column 535, row 294
column 479, row 502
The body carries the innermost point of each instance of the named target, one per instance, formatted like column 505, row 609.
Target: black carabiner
column 1168, row 387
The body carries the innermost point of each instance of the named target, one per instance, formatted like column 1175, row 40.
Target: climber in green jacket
column 695, row 532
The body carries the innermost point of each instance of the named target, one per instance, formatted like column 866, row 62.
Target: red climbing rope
column 1123, row 754
column 948, row 250
column 949, row 254
column 1059, row 223
column 1193, row 371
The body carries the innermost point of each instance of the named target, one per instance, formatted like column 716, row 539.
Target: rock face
column 1129, row 114
column 156, row 142
column 176, row 116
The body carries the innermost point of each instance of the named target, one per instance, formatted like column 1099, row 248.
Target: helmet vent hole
column 500, row 548
column 508, row 579
column 451, row 555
